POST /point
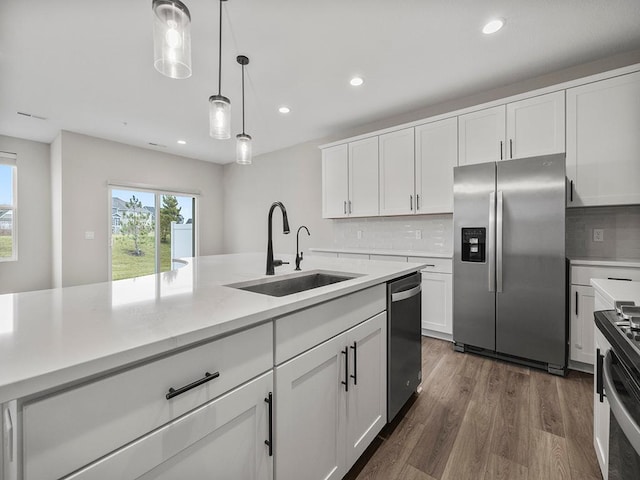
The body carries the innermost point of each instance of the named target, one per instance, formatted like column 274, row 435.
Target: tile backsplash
column 620, row 232
column 424, row 233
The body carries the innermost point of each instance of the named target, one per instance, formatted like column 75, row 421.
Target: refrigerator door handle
column 499, row 221
column 492, row 242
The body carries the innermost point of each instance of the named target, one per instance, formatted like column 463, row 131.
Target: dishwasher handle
column 625, row 420
column 404, row 294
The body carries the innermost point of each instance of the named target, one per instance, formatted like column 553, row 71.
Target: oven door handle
column 623, row 417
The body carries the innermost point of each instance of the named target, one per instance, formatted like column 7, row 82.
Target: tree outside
column 169, row 212
column 136, row 224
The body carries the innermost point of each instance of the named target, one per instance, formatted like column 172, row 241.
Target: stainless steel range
column 618, row 378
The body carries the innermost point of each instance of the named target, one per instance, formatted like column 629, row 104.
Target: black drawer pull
column 616, row 278
column 207, row 378
column 599, row 364
column 269, row 443
column 354, row 347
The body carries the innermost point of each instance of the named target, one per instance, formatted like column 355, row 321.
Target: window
column 149, row 231
column 8, row 207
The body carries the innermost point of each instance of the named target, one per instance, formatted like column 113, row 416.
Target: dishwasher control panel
column 474, row 244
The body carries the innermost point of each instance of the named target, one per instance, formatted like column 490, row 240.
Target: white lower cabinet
column 222, row 439
column 582, row 327
column 601, row 410
column 331, row 403
column 437, row 302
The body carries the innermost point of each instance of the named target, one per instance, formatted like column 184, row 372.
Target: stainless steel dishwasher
column 404, row 351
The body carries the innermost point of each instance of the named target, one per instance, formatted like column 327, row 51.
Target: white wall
column 32, row 270
column 292, row 176
column 88, row 165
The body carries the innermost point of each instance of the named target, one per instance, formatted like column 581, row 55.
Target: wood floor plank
column 545, row 404
column 500, row 468
column 432, row 451
column 412, row 473
column 510, row 438
column 549, row 459
column 576, row 403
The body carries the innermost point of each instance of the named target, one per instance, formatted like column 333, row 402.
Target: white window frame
column 158, row 193
column 7, row 158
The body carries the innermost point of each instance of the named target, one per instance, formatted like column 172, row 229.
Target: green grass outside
column 126, row 265
column 5, row 246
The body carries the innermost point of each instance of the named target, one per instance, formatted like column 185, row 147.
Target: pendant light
column 243, row 141
column 171, row 38
column 219, row 105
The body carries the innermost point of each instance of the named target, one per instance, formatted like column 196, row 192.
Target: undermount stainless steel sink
column 280, row 287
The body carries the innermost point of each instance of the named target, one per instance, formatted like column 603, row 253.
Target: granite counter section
column 55, row 337
column 605, row 262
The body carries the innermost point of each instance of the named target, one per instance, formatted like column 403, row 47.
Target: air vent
column 157, row 145
column 31, row 115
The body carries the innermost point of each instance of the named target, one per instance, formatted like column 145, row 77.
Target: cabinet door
column 335, row 181
column 601, row 412
column 437, row 302
column 309, row 429
column 222, row 439
column 436, row 155
column 397, row 173
column 367, row 396
column 482, row 136
column 363, row 178
column 603, row 144
column 535, row 126
column 582, row 326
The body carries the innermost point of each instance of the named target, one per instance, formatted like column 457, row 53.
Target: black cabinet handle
column 173, row 392
column 571, row 191
column 617, row 278
column 599, row 362
column 417, row 202
column 345, row 352
column 576, row 303
column 269, row 442
column 500, row 149
column 510, row 148
column 354, row 347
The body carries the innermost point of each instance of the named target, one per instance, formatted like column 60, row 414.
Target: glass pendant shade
column 243, row 149
column 219, row 117
column 172, row 38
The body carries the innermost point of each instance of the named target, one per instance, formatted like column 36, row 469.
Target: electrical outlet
column 89, row 235
column 359, row 233
column 418, row 234
column 598, row 235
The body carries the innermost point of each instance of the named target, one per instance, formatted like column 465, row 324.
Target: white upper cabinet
column 436, row 148
column 482, row 136
column 335, row 181
column 603, row 142
column 363, row 178
column 535, row 126
column 397, row 173
column 527, row 128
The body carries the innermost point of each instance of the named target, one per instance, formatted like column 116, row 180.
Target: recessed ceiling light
column 356, row 81
column 493, row 26
column 284, row 109
column 182, row 142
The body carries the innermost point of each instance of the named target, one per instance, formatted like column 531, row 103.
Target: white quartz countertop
column 606, row 262
column 374, row 251
column 617, row 290
column 52, row 337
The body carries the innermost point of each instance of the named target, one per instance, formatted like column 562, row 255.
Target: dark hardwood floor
column 478, row 418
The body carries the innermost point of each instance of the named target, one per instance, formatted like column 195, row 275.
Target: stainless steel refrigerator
column 509, row 265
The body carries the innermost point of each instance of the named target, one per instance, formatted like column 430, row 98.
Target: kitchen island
column 61, row 350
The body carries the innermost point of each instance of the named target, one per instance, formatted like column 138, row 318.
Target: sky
column 6, row 185
column 148, row 200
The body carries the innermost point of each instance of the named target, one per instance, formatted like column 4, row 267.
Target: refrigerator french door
column 509, row 291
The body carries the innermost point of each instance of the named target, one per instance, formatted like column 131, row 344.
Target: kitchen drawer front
column 66, row 431
column 438, row 265
column 582, row 275
column 305, row 329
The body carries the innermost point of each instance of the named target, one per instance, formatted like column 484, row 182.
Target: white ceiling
column 86, row 65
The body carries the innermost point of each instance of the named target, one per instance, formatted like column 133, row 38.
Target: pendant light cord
column 243, row 99
column 220, row 53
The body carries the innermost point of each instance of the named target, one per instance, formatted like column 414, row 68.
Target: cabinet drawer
column 305, row 329
column 582, row 275
column 65, row 431
column 439, row 265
